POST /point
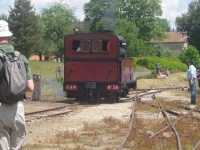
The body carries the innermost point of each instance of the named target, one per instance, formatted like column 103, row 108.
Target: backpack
column 13, row 83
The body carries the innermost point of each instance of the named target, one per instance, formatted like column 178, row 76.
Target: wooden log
column 36, row 95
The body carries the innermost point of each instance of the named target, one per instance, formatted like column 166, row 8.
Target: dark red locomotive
column 94, row 69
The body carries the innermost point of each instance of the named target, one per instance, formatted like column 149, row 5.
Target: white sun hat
column 4, row 30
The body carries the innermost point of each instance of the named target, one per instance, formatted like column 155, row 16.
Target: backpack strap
column 16, row 55
column 2, row 55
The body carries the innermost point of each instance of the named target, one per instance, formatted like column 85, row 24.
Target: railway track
column 46, row 113
column 136, row 98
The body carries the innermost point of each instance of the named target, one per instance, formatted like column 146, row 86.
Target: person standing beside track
column 12, row 119
column 198, row 77
column 191, row 77
column 158, row 69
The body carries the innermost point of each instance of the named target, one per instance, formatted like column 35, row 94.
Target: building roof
column 174, row 37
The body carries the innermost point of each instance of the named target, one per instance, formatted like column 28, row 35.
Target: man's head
column 4, row 30
column 190, row 62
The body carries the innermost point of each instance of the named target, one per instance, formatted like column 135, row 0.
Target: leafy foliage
column 145, row 14
column 190, row 53
column 189, row 22
column 137, row 20
column 3, row 17
column 57, row 19
column 102, row 14
column 166, row 63
column 23, row 24
column 43, row 46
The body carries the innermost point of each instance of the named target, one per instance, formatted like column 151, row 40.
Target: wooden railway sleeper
column 175, row 122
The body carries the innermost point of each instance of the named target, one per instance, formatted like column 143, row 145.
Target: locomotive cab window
column 81, row 45
column 85, row 45
column 101, row 46
column 76, row 45
column 96, row 45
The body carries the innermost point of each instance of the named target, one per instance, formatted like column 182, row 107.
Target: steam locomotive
column 94, row 70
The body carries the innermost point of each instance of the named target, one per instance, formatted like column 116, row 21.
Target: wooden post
column 36, row 96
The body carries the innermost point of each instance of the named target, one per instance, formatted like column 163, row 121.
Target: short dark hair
column 190, row 61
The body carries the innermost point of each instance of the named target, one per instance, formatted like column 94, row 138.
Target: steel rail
column 51, row 115
column 167, row 110
column 174, row 122
column 180, row 87
column 46, row 110
column 130, row 127
column 187, row 108
column 195, row 147
column 132, row 116
column 164, row 110
column 170, row 123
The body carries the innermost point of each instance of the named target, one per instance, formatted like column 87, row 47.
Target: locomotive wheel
column 96, row 98
column 117, row 97
column 111, row 97
column 125, row 92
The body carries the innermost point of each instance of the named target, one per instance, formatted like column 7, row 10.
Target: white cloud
column 173, row 9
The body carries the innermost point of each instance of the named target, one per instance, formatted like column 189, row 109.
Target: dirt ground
column 43, row 129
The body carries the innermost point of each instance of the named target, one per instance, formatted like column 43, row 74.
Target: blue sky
column 171, row 8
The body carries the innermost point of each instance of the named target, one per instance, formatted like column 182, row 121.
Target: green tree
column 3, row 17
column 135, row 46
column 189, row 22
column 138, row 17
column 146, row 16
column 101, row 14
column 42, row 46
column 82, row 26
column 190, row 53
column 58, row 19
column 23, row 23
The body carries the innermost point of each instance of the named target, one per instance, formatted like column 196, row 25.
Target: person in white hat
column 12, row 119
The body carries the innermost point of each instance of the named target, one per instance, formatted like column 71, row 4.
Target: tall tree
column 82, row 26
column 190, row 22
column 102, row 14
column 146, row 15
column 142, row 15
column 190, row 53
column 23, row 23
column 58, row 19
column 42, row 46
column 135, row 46
column 3, row 17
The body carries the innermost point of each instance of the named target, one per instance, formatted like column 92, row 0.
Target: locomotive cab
column 94, row 70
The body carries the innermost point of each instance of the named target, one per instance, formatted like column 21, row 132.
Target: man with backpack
column 15, row 82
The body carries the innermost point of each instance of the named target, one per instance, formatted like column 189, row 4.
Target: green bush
column 170, row 63
column 135, row 60
column 149, row 76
